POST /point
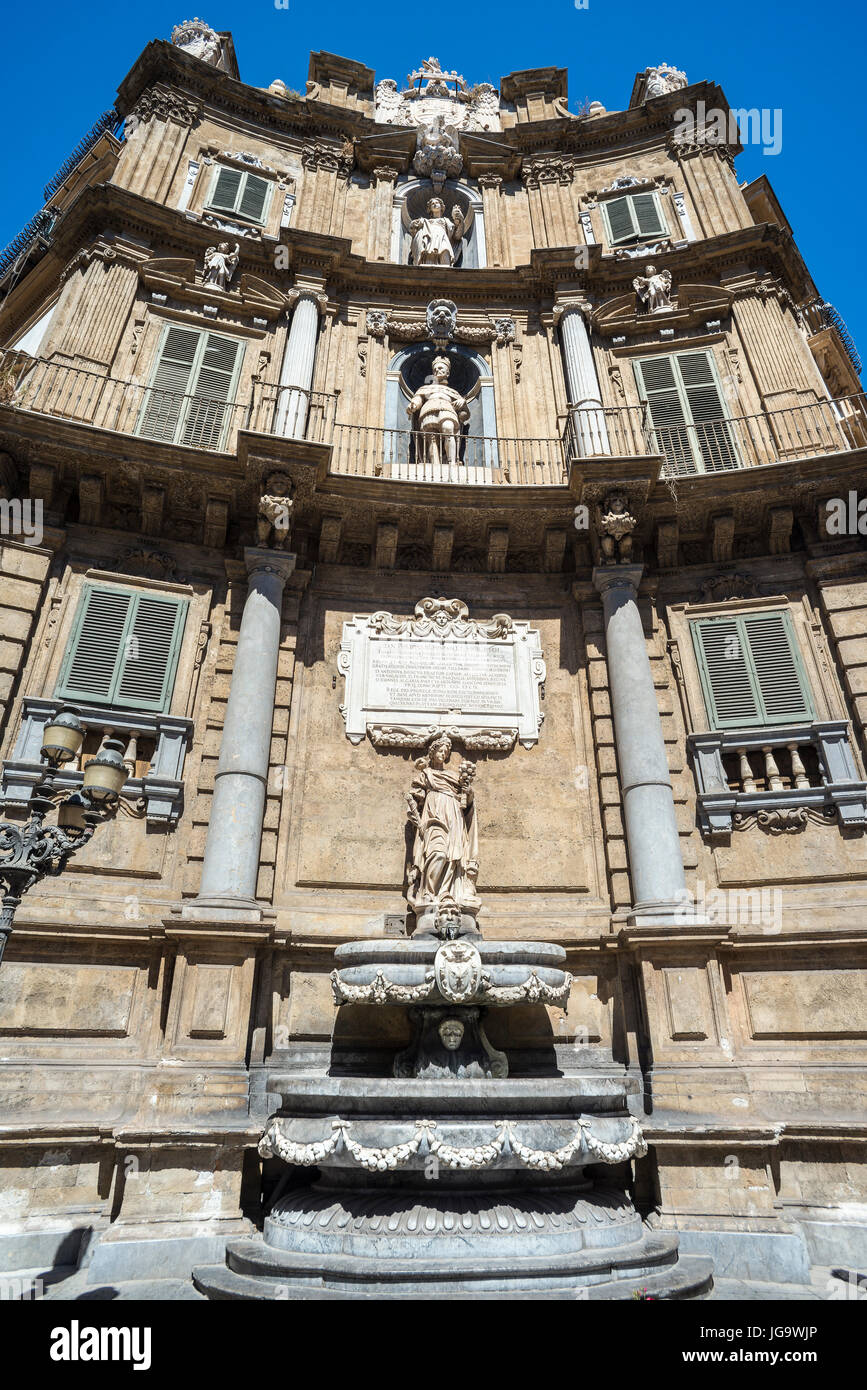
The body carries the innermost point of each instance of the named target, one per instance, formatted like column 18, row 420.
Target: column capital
column 315, row 293
column 567, row 302
column 259, row 559
column 607, row 577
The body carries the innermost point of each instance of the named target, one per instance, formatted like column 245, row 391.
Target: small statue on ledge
column 654, row 289
column 220, row 265
column 274, row 518
column 616, row 524
column 442, row 869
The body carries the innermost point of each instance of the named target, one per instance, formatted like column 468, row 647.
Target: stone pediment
column 175, row 277
column 692, row 305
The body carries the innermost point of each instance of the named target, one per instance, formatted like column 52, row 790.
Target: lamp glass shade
column 62, row 737
column 105, row 773
column 71, row 813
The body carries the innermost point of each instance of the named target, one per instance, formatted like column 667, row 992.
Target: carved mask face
column 451, row 1032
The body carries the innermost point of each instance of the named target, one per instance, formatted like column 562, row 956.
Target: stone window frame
column 161, row 787
column 661, row 188
column 284, row 184
column 843, row 790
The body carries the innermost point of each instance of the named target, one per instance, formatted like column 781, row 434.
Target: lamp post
column 35, row 850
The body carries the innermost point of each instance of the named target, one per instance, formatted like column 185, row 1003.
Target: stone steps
column 256, row 1270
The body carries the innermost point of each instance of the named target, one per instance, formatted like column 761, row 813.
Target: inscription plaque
column 407, row 677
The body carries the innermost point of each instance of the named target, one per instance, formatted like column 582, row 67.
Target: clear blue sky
column 62, row 64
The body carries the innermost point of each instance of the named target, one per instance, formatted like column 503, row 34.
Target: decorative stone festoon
column 653, row 843
column 591, row 434
column 296, row 372
column 232, row 849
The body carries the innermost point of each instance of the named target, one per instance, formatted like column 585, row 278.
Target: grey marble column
column 296, row 371
column 653, row 844
column 588, row 417
column 231, row 864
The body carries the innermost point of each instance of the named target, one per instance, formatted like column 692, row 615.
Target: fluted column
column 231, row 863
column 296, row 372
column 653, row 843
column 590, row 432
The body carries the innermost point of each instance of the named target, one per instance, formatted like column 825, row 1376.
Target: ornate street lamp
column 35, row 851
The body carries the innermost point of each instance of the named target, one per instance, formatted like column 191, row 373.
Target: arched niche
column 470, row 374
column 411, row 200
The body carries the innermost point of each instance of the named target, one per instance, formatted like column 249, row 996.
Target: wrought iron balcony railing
column 712, row 446
column 196, row 421
column 169, row 417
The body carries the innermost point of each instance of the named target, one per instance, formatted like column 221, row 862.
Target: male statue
column 435, row 237
column 437, row 412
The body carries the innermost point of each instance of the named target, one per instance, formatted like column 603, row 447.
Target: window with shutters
column 190, row 397
column 752, row 675
column 633, row 218
column 240, row 193
column 690, row 424
column 124, row 649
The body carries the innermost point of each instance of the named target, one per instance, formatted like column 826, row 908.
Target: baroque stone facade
column 222, row 390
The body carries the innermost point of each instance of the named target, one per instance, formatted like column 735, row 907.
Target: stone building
column 649, row 450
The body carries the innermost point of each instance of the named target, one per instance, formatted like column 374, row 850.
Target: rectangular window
column 242, row 194
column 688, row 415
column 192, row 387
column 124, row 649
column 632, row 218
column 751, row 671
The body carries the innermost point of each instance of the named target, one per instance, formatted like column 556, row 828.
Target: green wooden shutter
column 164, row 401
column 254, row 196
column 211, row 389
column 123, row 649
column 93, row 656
column 150, row 654
column 621, row 225
column 751, row 671
column 647, row 215
column 659, row 384
column 227, row 186
column 688, row 412
column 707, row 410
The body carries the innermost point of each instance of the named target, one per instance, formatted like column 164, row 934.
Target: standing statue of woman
column 435, row 238
column 441, row 874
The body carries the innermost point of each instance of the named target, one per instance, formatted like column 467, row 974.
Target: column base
column 245, row 910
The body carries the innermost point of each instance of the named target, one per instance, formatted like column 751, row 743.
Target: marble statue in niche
column 221, row 262
column 654, row 289
column 437, row 412
column 435, row 237
column 444, row 863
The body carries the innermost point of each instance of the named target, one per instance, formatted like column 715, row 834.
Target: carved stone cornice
column 334, row 159
column 109, row 255
column 163, row 104
column 547, row 168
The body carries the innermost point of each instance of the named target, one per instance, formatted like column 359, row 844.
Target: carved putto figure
column 663, row 79
column 437, row 411
column 654, row 289
column 198, row 38
column 221, row 262
column 441, row 873
column 435, row 237
column 274, row 519
column 616, row 525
